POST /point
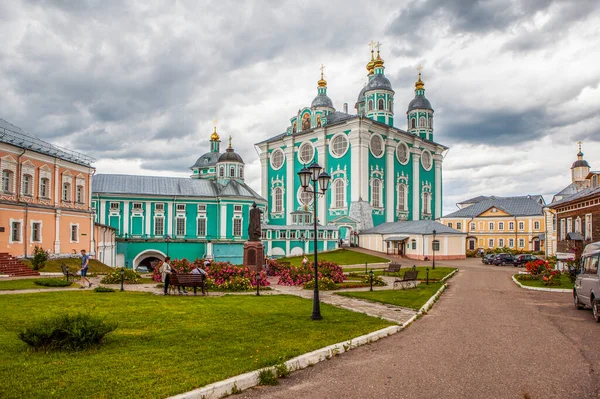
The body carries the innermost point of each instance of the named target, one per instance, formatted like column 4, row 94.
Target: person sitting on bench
column 198, row 270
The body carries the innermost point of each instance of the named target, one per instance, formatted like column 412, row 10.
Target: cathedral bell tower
column 580, row 168
column 420, row 113
column 378, row 93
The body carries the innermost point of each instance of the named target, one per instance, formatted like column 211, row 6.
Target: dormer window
column 232, row 171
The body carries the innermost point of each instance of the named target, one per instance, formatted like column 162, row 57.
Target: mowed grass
column 164, row 345
column 564, row 280
column 339, row 256
column 437, row 274
column 26, row 284
column 54, row 265
column 413, row 298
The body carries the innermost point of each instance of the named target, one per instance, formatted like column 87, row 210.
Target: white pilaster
column 57, row 186
column 363, row 182
column 437, row 162
column 102, row 210
column 147, row 217
column 264, row 164
column 390, row 206
column 290, row 191
column 209, row 249
column 287, row 247
column 57, row 232
column 355, row 166
column 322, row 160
column 416, row 184
column 223, row 214
column 171, row 218
column 125, row 217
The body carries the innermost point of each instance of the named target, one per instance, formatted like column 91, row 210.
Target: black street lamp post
column 433, row 247
column 427, row 280
column 371, row 278
column 257, row 283
column 67, row 270
column 122, row 278
column 320, row 180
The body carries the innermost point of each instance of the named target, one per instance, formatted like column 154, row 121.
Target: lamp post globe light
column 320, row 181
column 433, row 249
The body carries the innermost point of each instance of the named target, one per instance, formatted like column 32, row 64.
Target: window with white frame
column 232, row 171
column 201, row 227
column 500, row 226
column 180, row 226
column 180, row 207
column 588, row 226
column 521, row 243
column 511, row 225
column 473, row 226
column 74, row 233
column 501, row 242
column 114, row 206
column 27, row 188
column 563, row 229
column 44, row 187
column 339, row 193
column 427, row 203
column 237, row 208
column 578, row 224
column 159, row 207
column 241, row 172
column 66, row 192
column 306, row 196
column 450, row 224
column 237, row 227
column 36, row 232
column 426, row 160
column 376, row 145
column 422, row 122
column 521, row 225
column 221, row 171
column 402, row 197
column 278, row 200
column 402, row 153
column 201, row 208
column 15, row 231
column 376, row 193
column 491, row 242
column 491, row 226
column 511, row 242
column 536, row 225
column 7, row 180
column 458, row 226
column 137, row 206
column 306, row 153
column 80, row 195
column 159, row 226
column 339, row 145
column 569, row 225
column 277, row 158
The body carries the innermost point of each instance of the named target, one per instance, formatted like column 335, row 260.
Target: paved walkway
column 485, row 338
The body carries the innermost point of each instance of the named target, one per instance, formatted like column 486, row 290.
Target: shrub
column 267, row 377
column 543, row 271
column 325, row 284
column 282, row 370
column 114, row 277
column 378, row 281
column 298, row 275
column 68, row 333
column 53, row 282
column 39, row 258
column 103, row 289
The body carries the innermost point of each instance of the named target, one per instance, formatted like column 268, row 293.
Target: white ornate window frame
column 299, row 156
column 402, row 180
column 426, row 151
column 271, row 158
column 330, row 145
column 426, row 205
column 338, row 174
column 377, row 174
column 403, row 144
column 277, row 183
column 382, row 141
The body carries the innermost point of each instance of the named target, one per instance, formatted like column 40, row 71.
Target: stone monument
column 254, row 249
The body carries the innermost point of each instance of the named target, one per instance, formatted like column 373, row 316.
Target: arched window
column 422, row 122
column 306, row 122
column 44, row 187
column 66, row 192
column 376, row 193
column 241, row 173
column 427, row 203
column 277, row 200
column 232, row 171
column 402, row 197
column 390, row 105
column 370, row 107
column 294, row 128
column 412, row 123
column 7, row 180
column 27, row 184
column 381, row 104
column 318, row 120
column 339, row 194
column 79, row 197
column 221, row 172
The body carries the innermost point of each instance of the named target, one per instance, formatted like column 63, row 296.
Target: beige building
column 415, row 240
column 45, row 196
column 501, row 222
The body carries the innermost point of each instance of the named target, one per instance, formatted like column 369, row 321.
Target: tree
column 39, row 258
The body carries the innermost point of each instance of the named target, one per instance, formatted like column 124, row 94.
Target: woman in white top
column 165, row 270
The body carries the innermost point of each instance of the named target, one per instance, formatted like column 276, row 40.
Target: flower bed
column 542, row 271
column 300, row 275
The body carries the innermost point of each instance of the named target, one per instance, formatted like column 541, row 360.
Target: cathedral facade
column 379, row 173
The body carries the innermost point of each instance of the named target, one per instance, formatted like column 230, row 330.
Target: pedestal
column 254, row 254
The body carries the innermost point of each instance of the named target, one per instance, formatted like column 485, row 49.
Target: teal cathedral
column 379, row 173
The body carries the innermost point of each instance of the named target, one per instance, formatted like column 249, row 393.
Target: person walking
column 85, row 263
column 165, row 271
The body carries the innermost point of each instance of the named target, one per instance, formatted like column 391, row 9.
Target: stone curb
column 449, row 275
column 539, row 288
column 248, row 380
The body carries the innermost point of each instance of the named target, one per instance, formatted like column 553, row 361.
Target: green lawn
column 437, row 274
column 164, row 345
column 54, row 265
column 26, row 284
column 339, row 256
column 413, row 298
column 565, row 282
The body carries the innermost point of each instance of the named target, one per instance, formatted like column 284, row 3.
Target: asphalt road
column 485, row 338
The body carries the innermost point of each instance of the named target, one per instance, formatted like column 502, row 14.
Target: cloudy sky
column 136, row 85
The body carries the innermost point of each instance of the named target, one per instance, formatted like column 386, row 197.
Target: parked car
column 586, row 290
column 502, row 259
column 521, row 260
column 487, row 259
column 143, row 269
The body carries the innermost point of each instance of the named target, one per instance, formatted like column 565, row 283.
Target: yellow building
column 45, row 196
column 501, row 222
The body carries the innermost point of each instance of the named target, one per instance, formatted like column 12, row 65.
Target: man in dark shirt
column 85, row 262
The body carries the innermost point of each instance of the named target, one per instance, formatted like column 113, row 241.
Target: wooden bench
column 410, row 278
column 67, row 273
column 392, row 268
column 189, row 280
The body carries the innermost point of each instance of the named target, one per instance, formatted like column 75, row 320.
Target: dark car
column 521, row 260
column 502, row 259
column 487, row 259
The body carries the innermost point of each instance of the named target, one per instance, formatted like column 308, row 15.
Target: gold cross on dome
column 322, row 69
column 420, row 68
column 377, row 45
column 372, row 45
column 580, row 143
column 215, row 123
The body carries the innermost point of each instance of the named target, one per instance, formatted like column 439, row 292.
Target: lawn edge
column 449, row 275
column 539, row 288
column 248, row 380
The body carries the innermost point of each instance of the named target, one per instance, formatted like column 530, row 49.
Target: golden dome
column 419, row 83
column 215, row 135
column 322, row 82
column 378, row 63
column 371, row 64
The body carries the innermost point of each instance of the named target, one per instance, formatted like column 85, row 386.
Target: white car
column 586, row 291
